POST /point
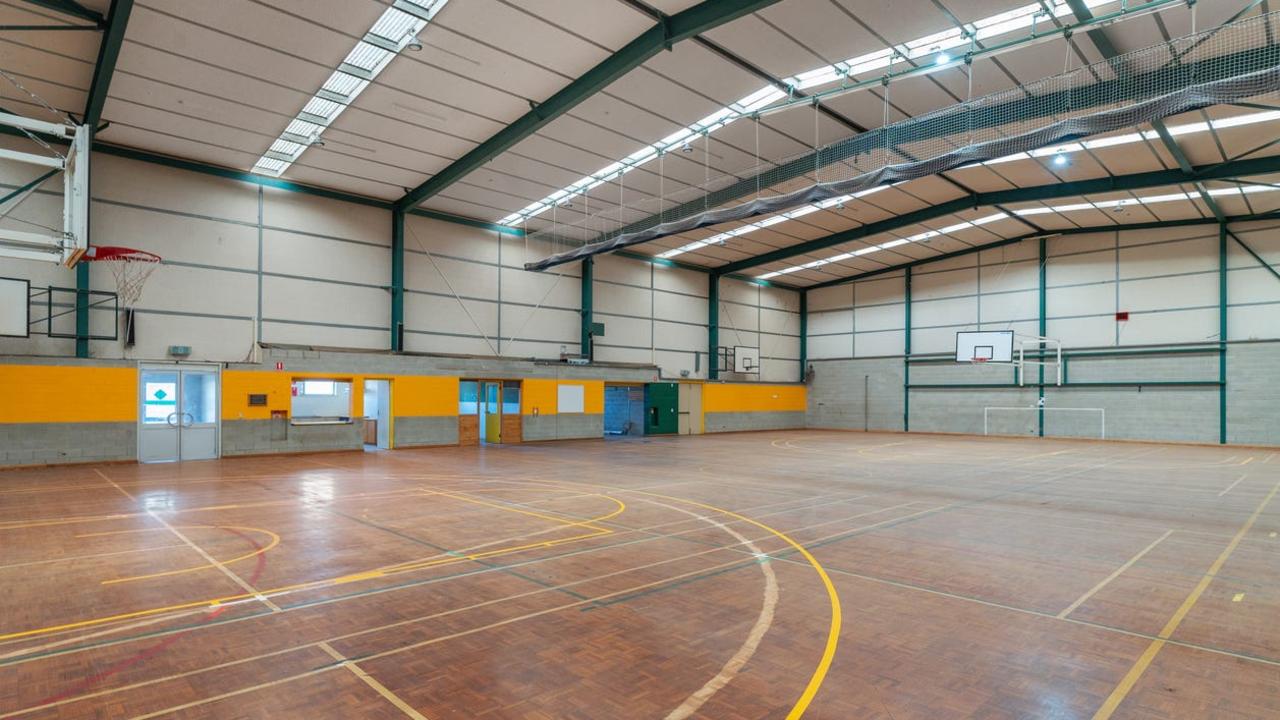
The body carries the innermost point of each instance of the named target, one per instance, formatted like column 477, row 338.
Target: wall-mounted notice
column 570, row 399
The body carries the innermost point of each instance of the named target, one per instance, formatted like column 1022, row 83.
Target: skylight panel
column 1002, row 23
column 391, row 33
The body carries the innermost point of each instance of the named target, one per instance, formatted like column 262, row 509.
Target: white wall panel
column 830, row 346
column 952, row 311
column 1080, row 300
column 831, row 321
column 322, row 216
column 930, row 285
column 1004, row 307
column 177, row 238
column 1165, row 293
column 445, row 238
column 1186, row 256
column 879, row 317
column 1084, row 268
column 829, row 298
column 445, row 314
column 446, row 276
column 1182, row 326
column 320, row 302
column 878, row 344
column 152, row 186
column 292, row 254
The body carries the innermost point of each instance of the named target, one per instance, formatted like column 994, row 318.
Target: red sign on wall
column 1122, row 316
column 279, row 366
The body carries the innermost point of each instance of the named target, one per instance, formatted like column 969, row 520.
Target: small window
column 320, row 401
column 316, row 387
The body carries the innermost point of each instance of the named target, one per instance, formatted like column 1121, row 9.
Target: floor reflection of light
column 317, row 486
column 160, row 500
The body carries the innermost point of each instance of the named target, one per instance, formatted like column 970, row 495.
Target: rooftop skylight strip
column 1021, row 17
column 397, row 25
column 1072, row 207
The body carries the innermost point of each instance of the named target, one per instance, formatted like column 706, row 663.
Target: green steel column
column 906, row 353
column 1222, row 333
column 713, row 324
column 82, row 281
column 804, row 332
column 1042, row 332
column 588, row 267
column 82, row 309
column 397, row 280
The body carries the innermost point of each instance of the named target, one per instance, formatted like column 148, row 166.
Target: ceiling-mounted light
column 942, row 59
column 315, row 140
column 1060, row 160
column 412, row 43
column 686, row 147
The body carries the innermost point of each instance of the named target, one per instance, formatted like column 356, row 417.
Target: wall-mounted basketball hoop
column 996, row 347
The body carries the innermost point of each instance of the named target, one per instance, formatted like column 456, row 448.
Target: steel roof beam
column 108, row 52
column 70, row 7
column 1221, row 171
column 700, row 18
column 1109, row 52
column 1025, row 108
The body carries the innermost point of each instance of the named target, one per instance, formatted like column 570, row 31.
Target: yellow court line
column 1144, row 661
column 275, row 540
column 833, row 632
column 310, row 585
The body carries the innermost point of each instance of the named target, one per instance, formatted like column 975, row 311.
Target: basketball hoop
column 979, row 359
column 129, row 267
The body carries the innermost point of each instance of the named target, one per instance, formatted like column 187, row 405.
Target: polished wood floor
column 757, row 575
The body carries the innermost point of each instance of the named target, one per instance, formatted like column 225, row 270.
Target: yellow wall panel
column 543, row 395
column 539, row 396
column 238, row 385
column 411, row 395
column 56, row 393
column 731, row 397
column 424, row 396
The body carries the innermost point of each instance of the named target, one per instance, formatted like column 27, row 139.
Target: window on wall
column 320, row 401
column 468, row 397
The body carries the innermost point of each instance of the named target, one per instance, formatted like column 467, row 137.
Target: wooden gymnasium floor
column 975, row 578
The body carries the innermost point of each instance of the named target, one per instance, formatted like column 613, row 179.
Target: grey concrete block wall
column 1253, row 393
column 1160, row 413
column 58, row 443
column 561, row 427
column 254, row 437
column 1176, row 414
column 739, row 421
column 960, row 411
column 857, row 394
column 424, row 431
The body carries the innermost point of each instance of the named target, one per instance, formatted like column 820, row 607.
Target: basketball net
column 129, row 267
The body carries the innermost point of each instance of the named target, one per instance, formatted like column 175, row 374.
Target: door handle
column 169, row 420
column 191, row 419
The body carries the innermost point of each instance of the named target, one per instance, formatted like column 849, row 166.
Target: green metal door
column 660, row 416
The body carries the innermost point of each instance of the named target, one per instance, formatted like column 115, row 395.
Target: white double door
column 178, row 412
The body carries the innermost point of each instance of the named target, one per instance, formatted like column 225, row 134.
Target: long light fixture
column 1057, row 151
column 1073, row 207
column 926, row 49
column 395, row 31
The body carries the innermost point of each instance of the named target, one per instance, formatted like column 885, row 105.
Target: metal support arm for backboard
column 68, row 245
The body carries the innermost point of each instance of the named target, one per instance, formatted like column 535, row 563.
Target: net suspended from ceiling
column 1230, row 63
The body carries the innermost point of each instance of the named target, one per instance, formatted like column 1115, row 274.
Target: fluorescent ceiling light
column 394, row 31
column 1057, row 151
column 1019, row 18
column 1073, row 207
